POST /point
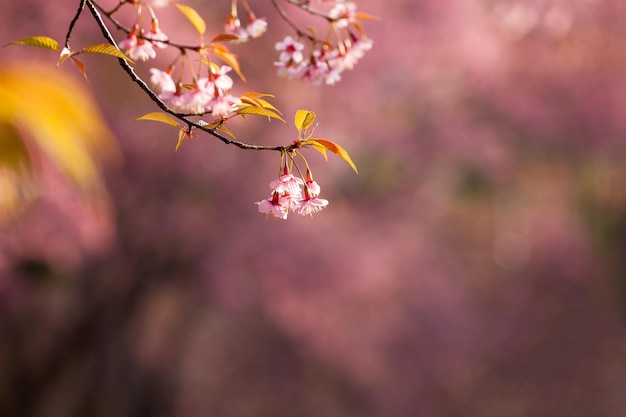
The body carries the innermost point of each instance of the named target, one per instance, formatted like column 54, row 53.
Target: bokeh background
column 474, row 267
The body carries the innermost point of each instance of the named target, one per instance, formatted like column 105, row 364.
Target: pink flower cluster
column 254, row 29
column 324, row 64
column 290, row 193
column 140, row 46
column 206, row 95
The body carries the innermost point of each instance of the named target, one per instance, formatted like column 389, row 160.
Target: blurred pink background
column 474, row 267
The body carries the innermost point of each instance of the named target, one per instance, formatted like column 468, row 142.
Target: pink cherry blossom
column 129, row 42
column 343, row 14
column 312, row 188
column 274, row 206
column 158, row 38
column 162, row 83
column 290, row 50
column 223, row 105
column 256, row 27
column 222, row 81
column 311, row 205
column 137, row 48
column 287, row 184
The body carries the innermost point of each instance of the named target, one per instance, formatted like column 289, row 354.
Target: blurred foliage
column 474, row 268
column 48, row 118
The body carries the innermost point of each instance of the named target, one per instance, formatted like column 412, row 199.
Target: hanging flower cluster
column 290, row 193
column 194, row 87
column 255, row 27
column 208, row 94
column 345, row 44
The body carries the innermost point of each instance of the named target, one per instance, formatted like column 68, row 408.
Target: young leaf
column 193, row 17
column 246, row 109
column 319, row 148
column 365, row 16
column 159, row 117
column 224, row 37
column 336, row 149
column 304, row 119
column 40, row 41
column 268, row 105
column 104, row 48
column 224, row 129
column 181, row 136
column 81, row 68
column 229, row 58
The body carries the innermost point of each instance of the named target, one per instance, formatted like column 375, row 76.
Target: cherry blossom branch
column 120, row 26
column 93, row 8
column 70, row 29
column 283, row 14
column 304, row 6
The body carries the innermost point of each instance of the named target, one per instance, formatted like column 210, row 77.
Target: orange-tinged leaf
column 251, row 101
column 365, row 16
column 193, row 17
column 105, row 48
column 159, row 117
column 256, row 95
column 224, row 37
column 81, row 68
column 304, row 119
column 228, row 57
column 319, row 148
column 40, row 41
column 336, row 149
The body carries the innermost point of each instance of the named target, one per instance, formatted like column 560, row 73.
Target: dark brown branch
column 70, row 29
column 93, row 8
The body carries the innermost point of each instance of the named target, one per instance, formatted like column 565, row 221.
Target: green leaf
column 40, row 41
column 193, row 17
column 248, row 109
column 304, row 119
column 105, row 48
column 159, row 117
column 334, row 148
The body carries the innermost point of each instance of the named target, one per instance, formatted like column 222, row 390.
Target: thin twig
column 70, row 29
column 93, row 8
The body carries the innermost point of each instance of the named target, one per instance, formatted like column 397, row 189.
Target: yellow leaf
column 105, row 48
column 58, row 121
column 193, row 17
column 181, row 137
column 304, row 119
column 224, row 129
column 336, row 149
column 259, row 111
column 319, row 148
column 159, row 117
column 40, row 41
